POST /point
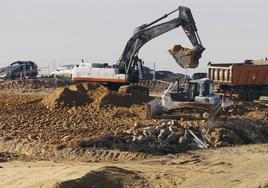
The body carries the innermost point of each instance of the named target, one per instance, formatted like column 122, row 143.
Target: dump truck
column 248, row 80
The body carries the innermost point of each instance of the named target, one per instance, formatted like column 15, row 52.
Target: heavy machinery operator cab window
column 207, row 88
column 194, row 89
column 211, row 88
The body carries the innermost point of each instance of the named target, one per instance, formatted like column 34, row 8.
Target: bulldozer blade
column 185, row 57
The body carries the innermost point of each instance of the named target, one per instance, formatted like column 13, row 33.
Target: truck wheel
column 251, row 94
column 242, row 94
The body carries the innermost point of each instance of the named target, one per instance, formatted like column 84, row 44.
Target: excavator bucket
column 185, row 57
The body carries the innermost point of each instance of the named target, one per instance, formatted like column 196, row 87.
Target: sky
column 54, row 32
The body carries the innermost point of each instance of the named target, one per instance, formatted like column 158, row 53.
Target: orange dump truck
column 249, row 80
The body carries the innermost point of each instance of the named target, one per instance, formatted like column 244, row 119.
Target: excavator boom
column 147, row 32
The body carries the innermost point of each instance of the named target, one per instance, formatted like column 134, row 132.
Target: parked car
column 19, row 68
column 64, row 71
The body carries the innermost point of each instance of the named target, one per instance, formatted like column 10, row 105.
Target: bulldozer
column 190, row 99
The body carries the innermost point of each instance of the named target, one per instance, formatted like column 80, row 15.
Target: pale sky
column 64, row 31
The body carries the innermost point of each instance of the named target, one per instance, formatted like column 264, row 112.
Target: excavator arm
column 147, row 32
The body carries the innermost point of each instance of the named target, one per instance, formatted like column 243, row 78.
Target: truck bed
column 248, row 73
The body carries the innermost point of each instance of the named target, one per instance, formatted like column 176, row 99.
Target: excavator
column 128, row 69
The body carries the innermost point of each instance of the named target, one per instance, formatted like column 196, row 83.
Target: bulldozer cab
column 201, row 87
column 189, row 89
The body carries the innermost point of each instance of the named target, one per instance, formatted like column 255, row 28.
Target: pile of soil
column 76, row 95
column 246, row 111
column 231, row 132
column 83, row 94
column 112, row 177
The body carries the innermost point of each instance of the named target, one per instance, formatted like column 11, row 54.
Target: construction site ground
column 242, row 166
column 41, row 125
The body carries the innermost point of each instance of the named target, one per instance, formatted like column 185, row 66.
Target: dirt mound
column 112, row 177
column 246, row 110
column 223, row 133
column 75, row 95
column 83, row 94
column 98, row 93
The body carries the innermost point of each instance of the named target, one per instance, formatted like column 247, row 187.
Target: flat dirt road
column 241, row 166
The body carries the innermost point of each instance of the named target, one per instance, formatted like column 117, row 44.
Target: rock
column 135, row 139
column 151, row 138
column 32, row 137
column 182, row 140
column 137, row 133
column 173, row 129
column 66, row 138
column 140, row 137
column 60, row 147
column 137, row 125
column 145, row 133
column 163, row 134
column 173, row 138
column 127, row 138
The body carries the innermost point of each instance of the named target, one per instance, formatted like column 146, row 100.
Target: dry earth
column 23, row 116
column 243, row 166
